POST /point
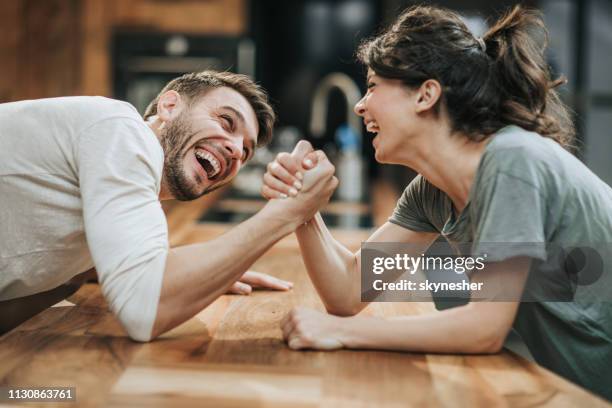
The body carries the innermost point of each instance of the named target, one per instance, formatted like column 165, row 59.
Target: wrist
column 309, row 224
column 351, row 331
column 276, row 212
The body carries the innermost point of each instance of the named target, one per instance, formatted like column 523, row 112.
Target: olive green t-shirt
column 532, row 194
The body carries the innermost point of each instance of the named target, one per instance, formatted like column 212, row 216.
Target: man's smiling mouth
column 209, row 163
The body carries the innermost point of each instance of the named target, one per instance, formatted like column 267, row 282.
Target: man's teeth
column 211, row 159
column 372, row 127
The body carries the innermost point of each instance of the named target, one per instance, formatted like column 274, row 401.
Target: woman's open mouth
column 372, row 127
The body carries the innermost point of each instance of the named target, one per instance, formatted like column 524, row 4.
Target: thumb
column 302, row 148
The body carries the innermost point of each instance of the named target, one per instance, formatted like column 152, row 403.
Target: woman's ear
column 169, row 105
column 428, row 95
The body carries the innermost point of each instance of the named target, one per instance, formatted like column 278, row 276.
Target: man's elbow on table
column 137, row 327
column 133, row 292
column 135, row 309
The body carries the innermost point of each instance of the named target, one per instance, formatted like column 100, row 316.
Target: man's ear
column 169, row 105
column 428, row 95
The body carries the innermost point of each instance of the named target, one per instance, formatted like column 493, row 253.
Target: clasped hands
column 303, row 180
column 306, row 178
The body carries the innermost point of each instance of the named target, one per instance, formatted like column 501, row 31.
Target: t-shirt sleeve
column 509, row 214
column 413, row 208
column 120, row 165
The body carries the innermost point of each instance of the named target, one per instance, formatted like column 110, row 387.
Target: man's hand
column 252, row 279
column 315, row 188
column 285, row 175
column 310, row 329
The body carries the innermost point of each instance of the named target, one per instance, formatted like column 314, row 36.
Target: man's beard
column 174, row 141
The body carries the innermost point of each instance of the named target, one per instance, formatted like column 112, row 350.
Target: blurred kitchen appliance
column 143, row 62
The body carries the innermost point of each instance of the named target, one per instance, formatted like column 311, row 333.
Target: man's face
column 207, row 143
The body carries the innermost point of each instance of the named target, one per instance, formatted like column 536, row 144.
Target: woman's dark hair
column 487, row 83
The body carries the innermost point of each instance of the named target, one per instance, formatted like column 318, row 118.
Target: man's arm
column 126, row 231
column 197, row 274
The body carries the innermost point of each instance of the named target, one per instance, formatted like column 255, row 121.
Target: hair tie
column 482, row 44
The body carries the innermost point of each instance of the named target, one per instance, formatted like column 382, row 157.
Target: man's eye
column 229, row 121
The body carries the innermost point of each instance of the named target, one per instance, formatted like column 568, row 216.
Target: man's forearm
column 198, row 274
column 331, row 266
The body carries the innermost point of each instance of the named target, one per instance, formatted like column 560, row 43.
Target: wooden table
column 232, row 354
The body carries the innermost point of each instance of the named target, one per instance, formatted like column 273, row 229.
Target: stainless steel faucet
column 349, row 165
column 351, row 93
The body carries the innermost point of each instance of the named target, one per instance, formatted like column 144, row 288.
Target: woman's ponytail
column 516, row 46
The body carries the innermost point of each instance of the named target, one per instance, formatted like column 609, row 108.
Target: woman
column 479, row 120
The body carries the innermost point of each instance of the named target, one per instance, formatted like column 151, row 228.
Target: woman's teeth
column 372, row 127
column 205, row 158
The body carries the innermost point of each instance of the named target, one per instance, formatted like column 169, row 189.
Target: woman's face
column 388, row 110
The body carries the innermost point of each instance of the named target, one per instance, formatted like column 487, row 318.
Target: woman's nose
column 359, row 108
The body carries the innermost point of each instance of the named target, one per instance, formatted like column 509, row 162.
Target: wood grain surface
column 232, row 354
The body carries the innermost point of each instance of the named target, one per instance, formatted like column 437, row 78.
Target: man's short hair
column 196, row 84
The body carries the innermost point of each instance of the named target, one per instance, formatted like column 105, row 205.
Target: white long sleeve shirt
column 79, row 186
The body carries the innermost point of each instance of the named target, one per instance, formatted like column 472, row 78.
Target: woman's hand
column 285, row 175
column 252, row 279
column 310, row 329
column 316, row 188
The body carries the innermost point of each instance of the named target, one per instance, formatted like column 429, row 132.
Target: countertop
column 232, row 354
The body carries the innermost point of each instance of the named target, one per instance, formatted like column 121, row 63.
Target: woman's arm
column 335, row 271
column 479, row 327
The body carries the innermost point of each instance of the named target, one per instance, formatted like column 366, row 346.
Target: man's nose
column 233, row 148
column 359, row 108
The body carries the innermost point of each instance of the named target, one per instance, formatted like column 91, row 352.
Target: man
column 81, row 179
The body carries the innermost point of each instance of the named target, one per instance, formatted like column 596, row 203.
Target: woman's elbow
column 489, row 343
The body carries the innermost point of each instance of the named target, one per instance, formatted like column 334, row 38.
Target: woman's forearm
column 333, row 269
column 465, row 330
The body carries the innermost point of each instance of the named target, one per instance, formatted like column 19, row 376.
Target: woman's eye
column 245, row 154
column 371, row 85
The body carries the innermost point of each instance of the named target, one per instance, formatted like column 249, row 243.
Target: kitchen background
column 302, row 52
